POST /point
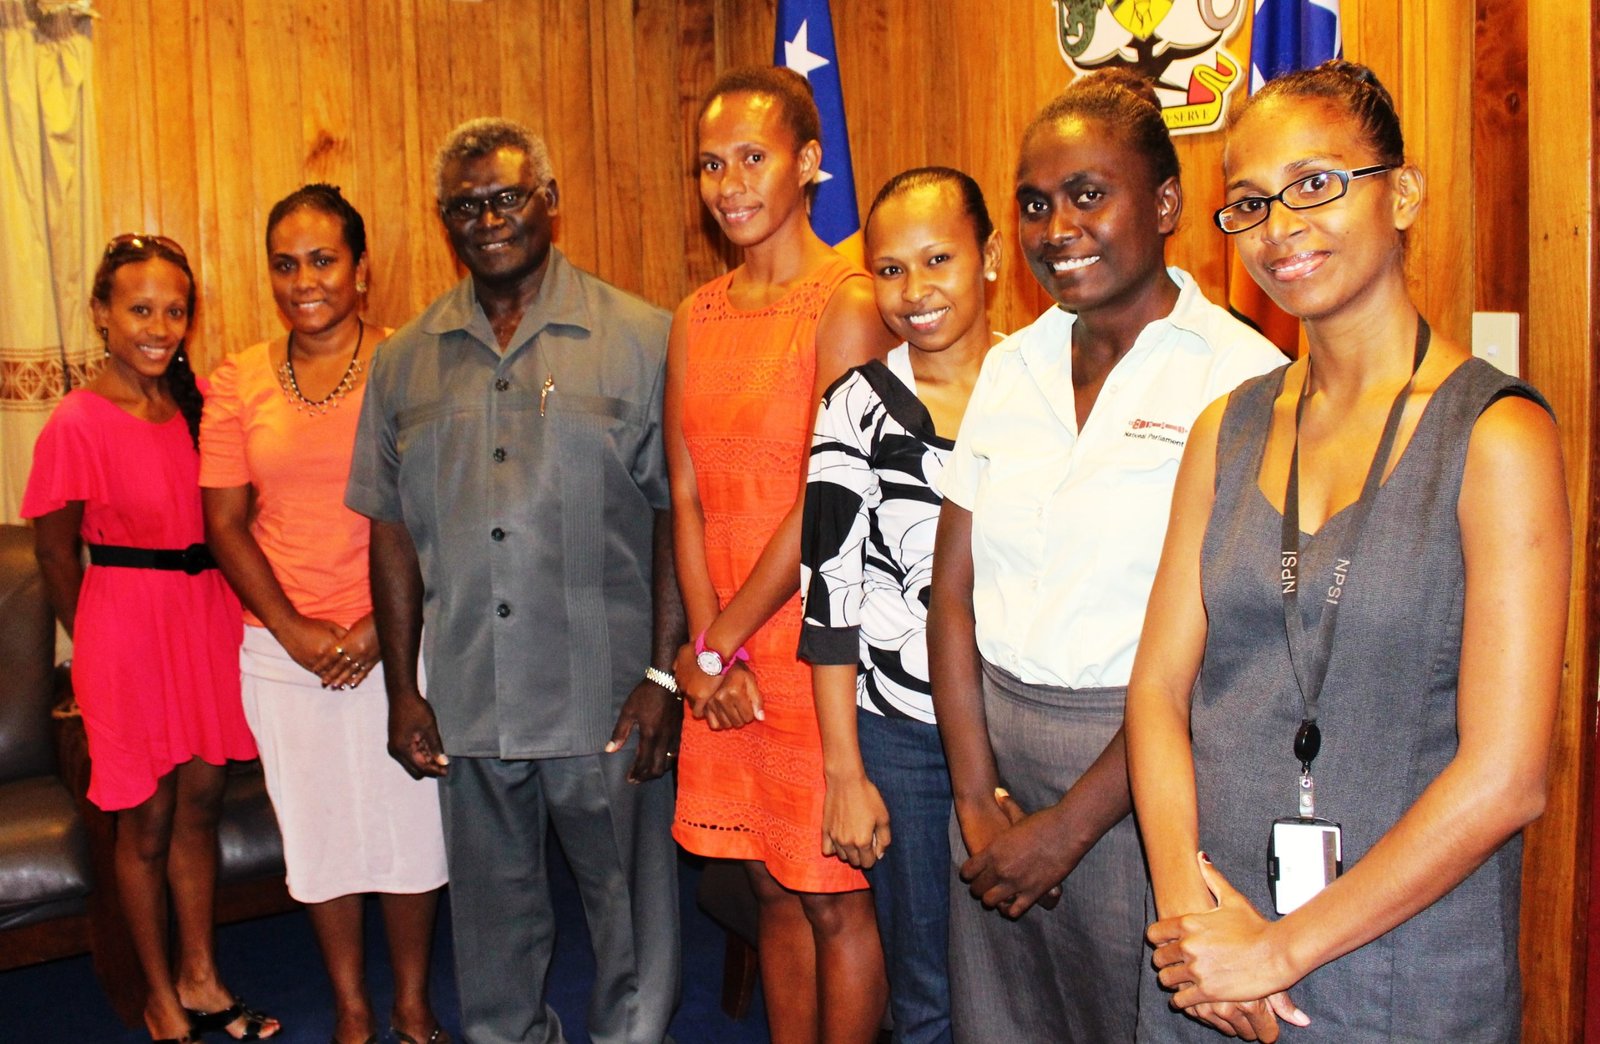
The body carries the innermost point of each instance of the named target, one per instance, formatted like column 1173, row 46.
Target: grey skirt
column 1068, row 975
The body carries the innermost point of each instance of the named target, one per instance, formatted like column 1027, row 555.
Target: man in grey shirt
column 510, row 457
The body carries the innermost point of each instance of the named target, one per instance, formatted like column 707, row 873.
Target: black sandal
column 201, row 1022
column 438, row 1036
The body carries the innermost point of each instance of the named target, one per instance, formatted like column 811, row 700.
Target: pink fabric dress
column 156, row 652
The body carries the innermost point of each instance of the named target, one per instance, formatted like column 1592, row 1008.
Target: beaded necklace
column 346, row 385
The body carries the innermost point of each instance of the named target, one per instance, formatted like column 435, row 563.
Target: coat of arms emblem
column 1176, row 44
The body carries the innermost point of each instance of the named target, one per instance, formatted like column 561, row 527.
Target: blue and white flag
column 1292, row 34
column 805, row 44
column 1285, row 35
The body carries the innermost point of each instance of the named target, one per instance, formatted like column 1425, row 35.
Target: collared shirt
column 527, row 480
column 1067, row 525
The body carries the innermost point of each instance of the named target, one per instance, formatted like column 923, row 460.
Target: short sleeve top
column 528, row 480
column 298, row 461
column 866, row 546
column 1067, row 525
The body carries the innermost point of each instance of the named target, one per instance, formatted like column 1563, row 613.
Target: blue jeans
column 911, row 885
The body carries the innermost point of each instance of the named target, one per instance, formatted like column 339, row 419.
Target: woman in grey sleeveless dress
column 1442, row 596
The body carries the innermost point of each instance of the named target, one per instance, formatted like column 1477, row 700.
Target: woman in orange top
column 749, row 357
column 276, row 441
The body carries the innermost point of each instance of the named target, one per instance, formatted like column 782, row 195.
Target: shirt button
column 499, row 454
column 497, row 533
column 501, row 384
column 502, row 610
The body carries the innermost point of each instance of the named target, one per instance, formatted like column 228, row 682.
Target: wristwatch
column 711, row 662
column 663, row 679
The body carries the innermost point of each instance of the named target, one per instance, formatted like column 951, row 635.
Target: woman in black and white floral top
column 872, row 505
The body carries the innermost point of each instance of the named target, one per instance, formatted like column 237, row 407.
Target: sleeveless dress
column 756, row 792
column 156, row 652
column 1388, row 720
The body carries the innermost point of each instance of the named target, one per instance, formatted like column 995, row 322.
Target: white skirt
column 352, row 819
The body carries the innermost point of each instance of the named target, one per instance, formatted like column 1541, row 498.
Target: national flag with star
column 805, row 44
column 1285, row 35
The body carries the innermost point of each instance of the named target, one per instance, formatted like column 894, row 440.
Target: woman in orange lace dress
column 749, row 356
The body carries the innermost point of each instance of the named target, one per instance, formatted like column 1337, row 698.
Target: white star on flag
column 797, row 53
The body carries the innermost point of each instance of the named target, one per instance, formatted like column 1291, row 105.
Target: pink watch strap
column 740, row 653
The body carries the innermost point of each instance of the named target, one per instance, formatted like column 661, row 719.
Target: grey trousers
column 617, row 836
column 1068, row 975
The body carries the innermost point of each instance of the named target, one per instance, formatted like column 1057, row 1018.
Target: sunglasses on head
column 143, row 241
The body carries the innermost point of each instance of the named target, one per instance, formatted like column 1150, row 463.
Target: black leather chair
column 725, row 895
column 45, row 875
column 58, row 889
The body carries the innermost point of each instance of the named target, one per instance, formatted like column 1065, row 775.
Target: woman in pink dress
column 156, row 630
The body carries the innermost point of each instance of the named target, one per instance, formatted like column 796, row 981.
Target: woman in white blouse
column 1057, row 496
column 883, row 434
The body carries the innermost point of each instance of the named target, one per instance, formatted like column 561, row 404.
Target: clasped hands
column 729, row 701
column 1016, row 859
column 1215, row 957
column 340, row 657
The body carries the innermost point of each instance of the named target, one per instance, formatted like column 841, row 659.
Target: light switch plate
column 1496, row 339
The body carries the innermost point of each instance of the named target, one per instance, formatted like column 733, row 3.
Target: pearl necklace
column 346, row 385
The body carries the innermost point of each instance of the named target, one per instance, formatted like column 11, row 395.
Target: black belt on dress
column 194, row 559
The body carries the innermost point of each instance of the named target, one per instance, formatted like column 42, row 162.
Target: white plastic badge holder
column 1303, row 858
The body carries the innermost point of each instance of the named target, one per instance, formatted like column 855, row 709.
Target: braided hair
column 179, row 378
column 788, row 88
column 1123, row 101
column 965, row 188
column 325, row 199
column 1353, row 87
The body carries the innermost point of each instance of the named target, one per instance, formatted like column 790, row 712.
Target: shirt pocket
column 1135, row 477
column 429, row 448
column 594, row 432
column 591, row 443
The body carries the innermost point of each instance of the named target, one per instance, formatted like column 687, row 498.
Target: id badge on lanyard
column 1305, row 852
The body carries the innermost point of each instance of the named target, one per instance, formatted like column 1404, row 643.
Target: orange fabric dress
column 748, row 409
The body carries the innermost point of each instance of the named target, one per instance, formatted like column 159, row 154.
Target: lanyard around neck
column 1311, row 665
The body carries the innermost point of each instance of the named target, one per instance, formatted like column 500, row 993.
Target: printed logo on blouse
column 1157, row 431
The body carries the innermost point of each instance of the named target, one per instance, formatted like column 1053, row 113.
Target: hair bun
column 1351, row 86
column 1128, row 80
column 1351, row 71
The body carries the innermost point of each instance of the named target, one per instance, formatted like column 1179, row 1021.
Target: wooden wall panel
column 212, row 109
column 1500, row 173
column 361, row 93
column 1563, row 339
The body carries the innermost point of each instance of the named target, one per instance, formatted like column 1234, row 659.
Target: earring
column 361, row 286
column 104, row 333
column 991, row 275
